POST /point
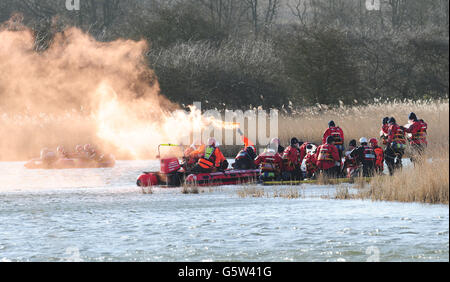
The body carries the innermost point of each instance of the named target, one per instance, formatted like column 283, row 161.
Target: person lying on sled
column 213, row 159
column 245, row 159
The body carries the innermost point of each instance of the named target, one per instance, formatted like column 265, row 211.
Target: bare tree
column 262, row 15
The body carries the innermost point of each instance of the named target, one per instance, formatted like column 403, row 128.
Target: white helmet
column 311, row 149
column 275, row 141
column 363, row 140
column 212, row 141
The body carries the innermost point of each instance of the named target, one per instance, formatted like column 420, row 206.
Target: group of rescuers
column 330, row 158
column 85, row 152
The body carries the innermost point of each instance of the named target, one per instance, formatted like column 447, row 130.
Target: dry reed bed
column 427, row 182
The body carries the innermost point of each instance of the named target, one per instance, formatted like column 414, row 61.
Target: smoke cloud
column 82, row 91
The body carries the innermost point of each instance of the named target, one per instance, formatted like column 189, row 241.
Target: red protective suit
column 291, row 158
column 327, row 156
column 396, row 134
column 337, row 133
column 418, row 131
column 268, row 162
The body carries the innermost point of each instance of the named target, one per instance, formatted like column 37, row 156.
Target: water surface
column 100, row 215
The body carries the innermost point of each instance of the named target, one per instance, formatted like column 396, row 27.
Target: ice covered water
column 101, row 215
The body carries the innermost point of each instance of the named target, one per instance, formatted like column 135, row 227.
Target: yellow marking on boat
column 315, row 181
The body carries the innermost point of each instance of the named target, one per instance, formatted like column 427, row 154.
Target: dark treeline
column 243, row 53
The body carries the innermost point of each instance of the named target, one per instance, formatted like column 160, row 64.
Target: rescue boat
column 69, row 163
column 172, row 175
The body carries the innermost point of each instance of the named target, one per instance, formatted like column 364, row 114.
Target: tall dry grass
column 427, row 182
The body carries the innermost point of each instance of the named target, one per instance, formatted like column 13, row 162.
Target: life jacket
column 290, row 158
column 269, row 165
column 421, row 135
column 398, row 135
column 336, row 133
column 379, row 156
column 242, row 155
column 369, row 154
column 325, row 153
column 209, row 159
column 310, row 163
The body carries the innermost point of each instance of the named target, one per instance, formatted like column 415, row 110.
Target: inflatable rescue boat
column 69, row 163
column 172, row 175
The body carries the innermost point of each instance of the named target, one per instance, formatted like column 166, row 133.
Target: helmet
column 412, row 116
column 385, row 120
column 392, row 120
column 251, row 148
column 373, row 142
column 331, row 124
column 330, row 139
column 294, row 141
column 212, row 141
column 60, row 149
column 363, row 140
column 311, row 149
column 78, row 148
column 87, row 147
column 352, row 143
column 275, row 141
